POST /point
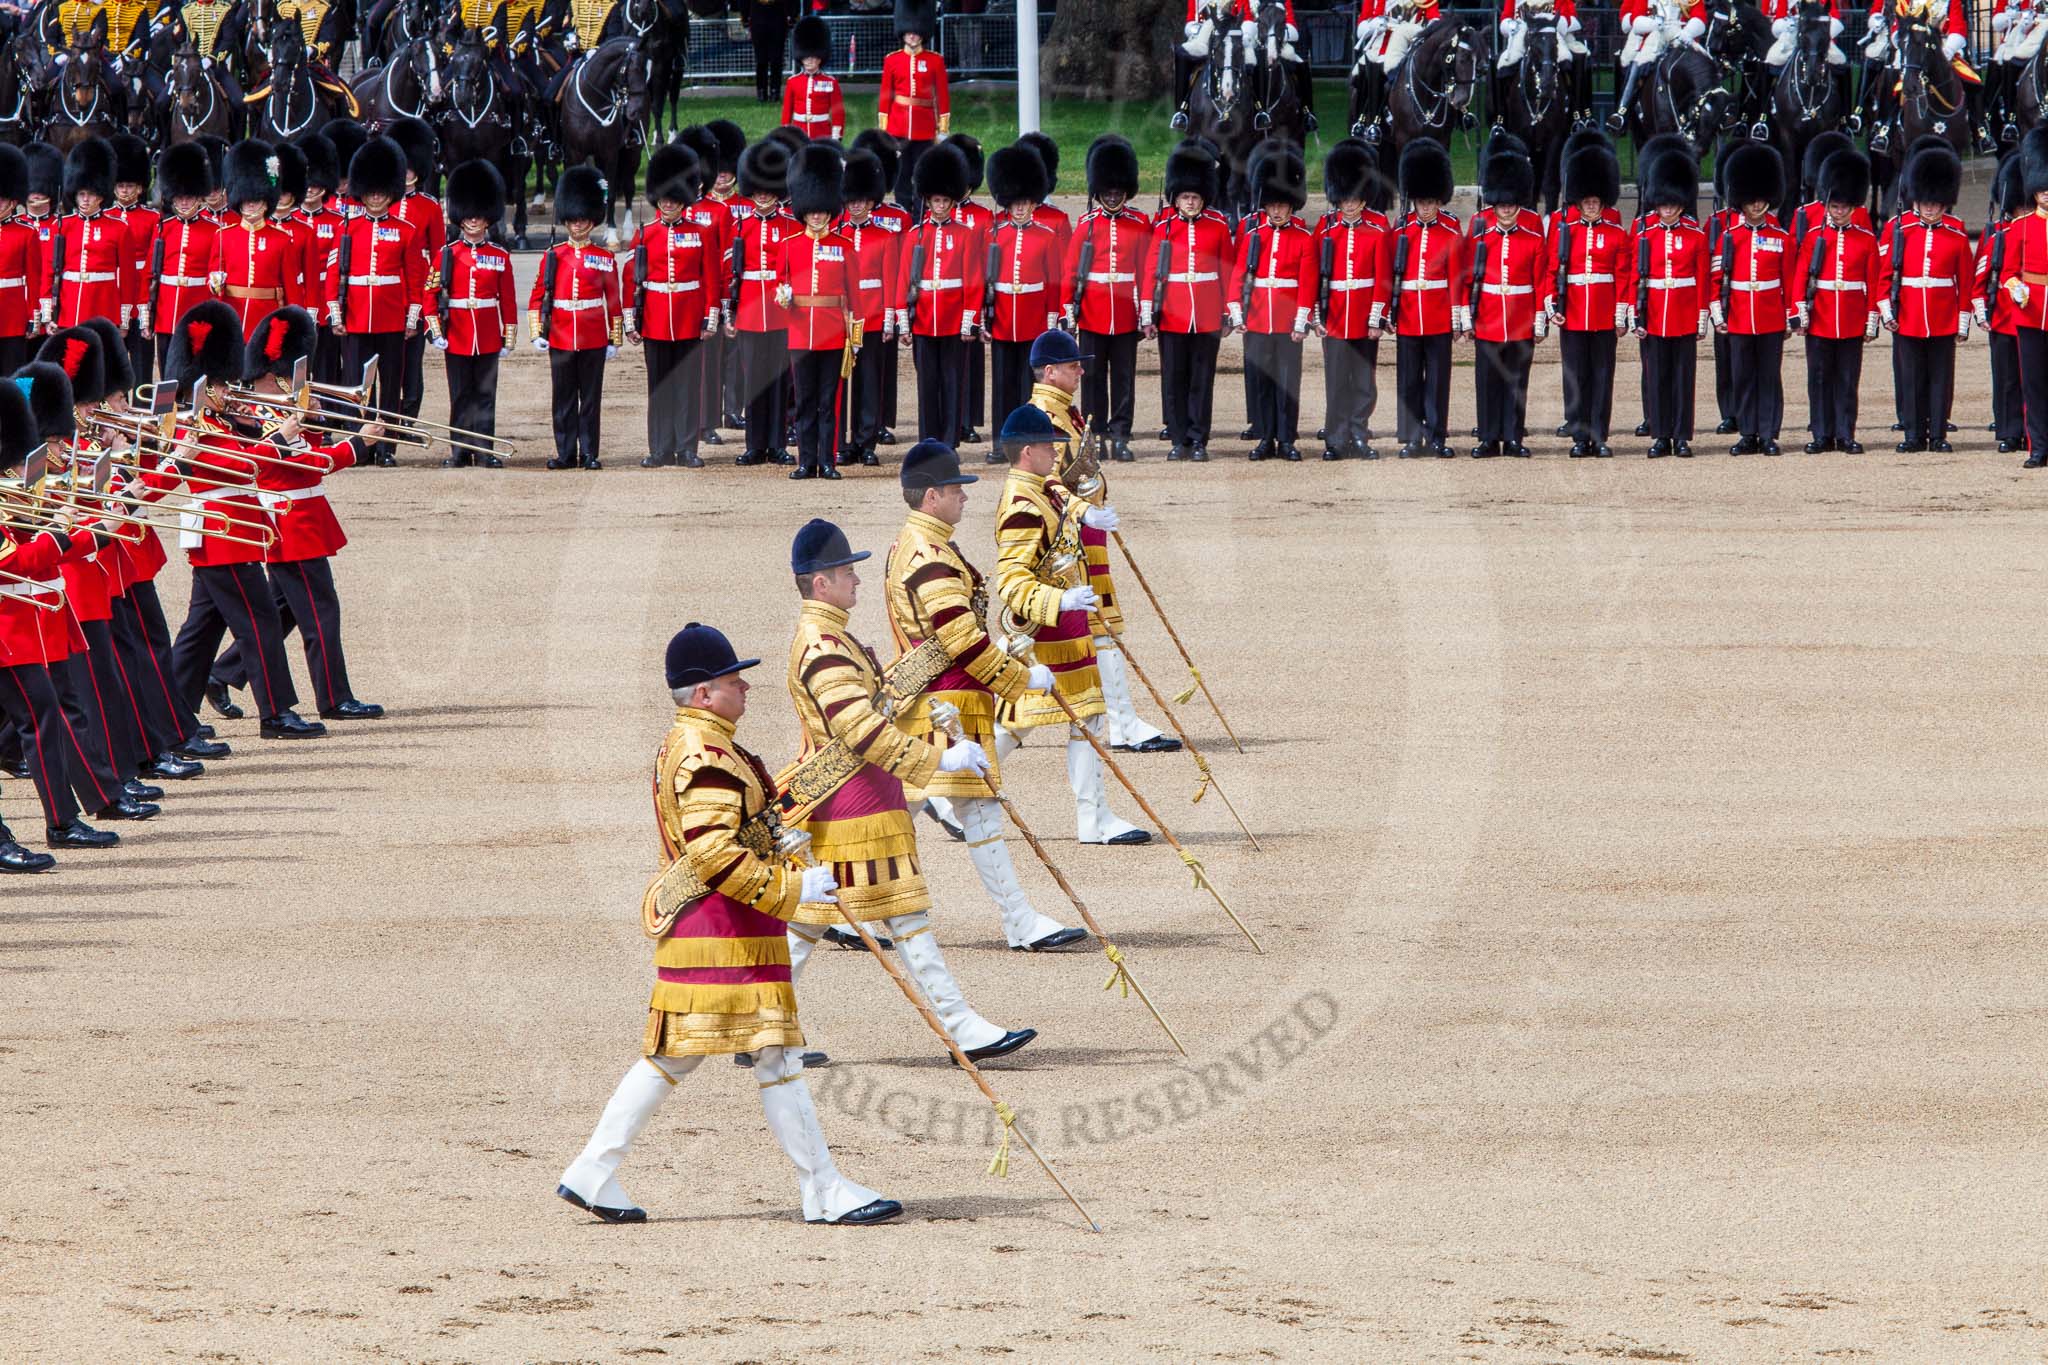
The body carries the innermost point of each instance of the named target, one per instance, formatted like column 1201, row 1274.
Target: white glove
column 1693, row 30
column 1461, row 318
column 1952, row 47
column 784, row 294
column 711, row 323
column 1870, row 328
column 217, row 280
column 967, row 327
column 2019, row 291
column 1875, row 25
column 1101, row 519
column 1714, row 311
column 440, row 343
column 1542, row 326
column 1703, row 325
column 1510, row 27
column 1621, row 318
column 611, row 352
column 962, row 757
column 1963, row 327
column 2001, row 21
column 540, row 343
column 1644, row 24
column 1079, row 599
column 1040, row 679
column 1780, row 27
column 1236, row 314
column 817, row 885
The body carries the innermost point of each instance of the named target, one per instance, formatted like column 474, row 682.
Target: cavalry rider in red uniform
column 816, row 284
column 1508, row 277
column 1181, row 279
column 575, row 314
column 915, row 106
column 90, row 266
column 377, row 276
column 1751, row 281
column 1099, row 290
column 1592, row 282
column 1272, row 297
column 1924, row 295
column 939, row 285
column 2022, row 277
column 1835, row 275
column 1354, row 246
column 21, row 264
column 475, row 314
column 1426, row 264
column 1199, row 35
column 1652, row 26
column 1515, row 17
column 1386, row 29
column 811, row 100
column 1023, row 298
column 1670, row 308
column 673, row 289
column 876, row 243
column 257, row 265
column 1881, row 49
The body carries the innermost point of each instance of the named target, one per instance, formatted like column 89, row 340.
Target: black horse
column 603, row 108
column 663, row 31
column 1809, row 97
column 22, row 76
column 1932, row 101
column 1536, row 104
column 85, row 99
column 408, row 85
column 486, row 120
column 291, row 103
column 199, row 104
column 1430, row 92
column 1738, row 38
column 1684, row 96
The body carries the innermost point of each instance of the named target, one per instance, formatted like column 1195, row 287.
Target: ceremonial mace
column 946, row 720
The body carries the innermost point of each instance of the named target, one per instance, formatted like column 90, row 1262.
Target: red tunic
column 1599, row 271
column 219, row 482
column 1430, row 277
column 813, row 104
column 1358, row 282
column 141, row 224
column 1025, row 288
column 1672, row 261
column 1839, row 293
column 423, row 211
column 757, row 247
column 683, row 280
column 306, row 525
column 321, row 229
column 1055, row 218
column 1754, row 270
column 874, row 252
column 1191, row 258
column 1111, row 247
column 1282, row 281
column 481, row 305
column 2026, row 260
column 29, row 634
column 950, row 286
column 914, row 94
column 178, row 266
column 96, row 270
column 263, row 269
column 1517, row 280
column 21, row 278
column 586, row 296
column 819, row 273
column 384, row 285
column 1933, row 272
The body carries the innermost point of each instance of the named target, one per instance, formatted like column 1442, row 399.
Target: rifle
column 1159, row 276
column 1564, row 266
column 346, row 251
column 995, row 270
column 1799, row 229
column 547, row 291
column 1402, row 246
column 1997, row 265
column 1082, row 266
column 1328, row 266
column 156, row 267
column 1643, row 281
column 1727, row 273
column 918, row 249
column 640, row 279
column 57, row 268
column 739, row 265
column 1251, row 275
column 1480, row 247
column 447, row 271
column 1898, row 263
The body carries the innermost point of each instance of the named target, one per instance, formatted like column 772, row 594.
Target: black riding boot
column 1618, row 120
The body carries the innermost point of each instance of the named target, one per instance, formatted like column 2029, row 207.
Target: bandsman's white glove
column 540, row 343
column 1101, row 519
column 1040, row 679
column 817, row 885
column 611, row 353
column 440, row 342
column 1082, row 598
column 962, row 757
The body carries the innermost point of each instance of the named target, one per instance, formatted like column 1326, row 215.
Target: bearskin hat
column 348, row 138
column 792, row 138
column 672, row 173
column 49, row 401
column 89, row 167
column 814, row 181
column 1844, row 178
column 970, row 149
column 76, row 351
column 1500, row 142
column 2033, row 158
column 731, row 142
column 1349, row 170
column 2007, row 198
column 702, row 144
column 476, row 190
column 378, row 167
column 883, row 148
column 13, row 174
column 422, row 147
column 206, row 345
column 1755, row 173
column 917, row 16
column 323, row 165
column 1593, row 173
column 941, row 171
column 1934, row 176
column 764, row 169
column 812, row 38
column 580, row 195
column 278, row 343
column 216, row 149
column 1506, row 178
column 45, row 171
column 1673, row 178
column 1016, row 172
column 1592, row 135
column 291, row 171
column 1190, row 169
column 862, row 178
column 1659, row 145
column 1112, row 167
column 183, row 172
column 252, row 173
column 1048, row 152
column 1278, row 174
column 1823, row 146
column 19, row 438
column 1426, row 171
column 117, row 371
column 131, row 160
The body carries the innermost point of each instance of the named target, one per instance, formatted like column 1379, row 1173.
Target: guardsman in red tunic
column 256, row 265
column 713, row 217
column 754, row 321
column 1812, row 213
column 1752, row 297
column 815, row 283
column 2022, row 277
column 183, row 249
column 1592, row 281
column 1509, row 276
column 421, row 145
column 893, row 217
column 323, row 219
column 576, row 314
column 21, row 264
column 1426, row 263
column 1024, row 263
column 475, row 315
column 1924, row 298
column 978, row 219
column 291, row 193
column 1994, row 310
column 1272, row 297
column 90, row 265
column 377, row 276
column 811, row 102
column 939, row 288
column 1047, row 212
column 876, row 243
column 1182, row 276
column 1834, row 288
column 915, row 107
column 39, row 205
column 1672, row 275
column 673, row 289
column 1354, row 253
column 131, row 206
column 1099, row 290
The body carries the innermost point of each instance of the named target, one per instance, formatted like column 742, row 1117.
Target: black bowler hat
column 932, row 464
column 697, row 654
column 1056, row 348
column 820, row 546
column 1030, row 426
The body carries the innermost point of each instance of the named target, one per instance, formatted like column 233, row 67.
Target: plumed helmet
column 1592, row 135
column 672, row 173
column 206, row 345
column 862, row 178
column 1506, row 178
column 941, row 171
column 1349, row 170
column 117, row 372
column 49, row 401
column 378, row 167
column 131, row 160
column 252, row 173
column 1190, row 169
column 970, row 150
column 1934, row 176
column 76, row 351
column 476, row 190
column 580, row 195
column 812, row 38
column 291, row 171
column 45, row 170
column 421, row 145
column 1278, row 175
column 764, row 169
column 13, row 174
column 1112, row 167
column 1824, row 145
column 1755, row 173
column 323, row 165
column 814, row 181
column 183, row 172
column 917, row 16
column 90, row 167
column 2033, row 156
column 1673, row 178
column 1593, row 173
column 1844, row 178
column 1016, row 172
column 19, row 438
column 1048, row 152
column 703, row 145
column 731, row 142
column 348, row 138
column 278, row 342
column 1425, row 171
column 883, row 148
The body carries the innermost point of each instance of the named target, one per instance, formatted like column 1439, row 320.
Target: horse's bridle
column 1436, row 109
column 490, row 84
column 212, row 97
column 618, row 92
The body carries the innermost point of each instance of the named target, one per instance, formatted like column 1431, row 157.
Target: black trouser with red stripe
column 144, row 639
column 306, row 602
column 28, row 698
column 817, row 385
column 113, row 703
column 233, row 598
column 1834, row 373
column 87, row 761
column 389, row 350
column 1923, row 385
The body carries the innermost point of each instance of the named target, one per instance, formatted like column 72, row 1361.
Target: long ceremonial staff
column 1174, row 635
column 946, row 717
column 796, row 844
column 1201, row 760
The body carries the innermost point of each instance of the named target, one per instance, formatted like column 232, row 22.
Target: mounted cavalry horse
column 408, row 84
column 1686, row 97
column 1427, row 93
column 602, row 106
column 1243, row 94
column 663, row 30
column 1534, row 96
column 22, row 78
column 86, row 99
column 1932, row 102
column 294, row 97
column 199, row 103
column 1809, row 93
column 485, row 119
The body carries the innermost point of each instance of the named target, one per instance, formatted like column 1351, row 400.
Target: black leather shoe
column 1291, row 453
column 1603, row 451
column 18, row 769
column 886, row 436
column 1366, row 453
column 1001, row 1047
column 1773, row 448
column 1642, row 428
column 1261, row 451
column 657, row 461
column 1816, row 447
column 803, row 471
column 692, row 460
column 1158, row 744
column 1564, row 429
column 1725, row 427
column 79, row 834
column 1941, row 448
column 1200, row 453
column 197, row 748
column 1246, row 434
column 1176, row 453
column 711, row 438
column 1410, row 450
column 593, row 463
column 15, row 858
column 602, row 1214
column 353, row 710
column 1518, row 450
column 169, row 767
column 1910, row 447
column 1485, row 450
column 491, row 462
column 1331, row 454
column 1129, row 837
column 1683, row 450
column 385, row 460
column 290, row 725
column 830, row 471
column 461, row 461
column 559, row 463
column 745, row 460
column 875, row 1211
column 135, row 789
column 1058, row 939
column 1444, row 451
column 2008, row 447
column 840, row 938
column 127, row 808
column 1659, row 448
column 1852, row 447
column 814, row 1059
column 1121, row 452
column 204, row 731
column 222, row 701
column 1581, row 450
column 870, row 459
column 1741, row 447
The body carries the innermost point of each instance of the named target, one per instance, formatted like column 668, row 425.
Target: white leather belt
column 1346, row 286
column 1841, row 286
column 1589, row 279
column 812, row 118
column 1413, row 285
column 869, row 284
column 369, row 279
column 473, row 303
column 27, row 591
column 758, row 276
column 89, row 276
column 192, row 517
column 1754, row 286
column 577, row 305
column 1112, row 277
column 183, row 281
column 1671, row 284
column 14, row 282
column 1190, row 277
column 938, row 284
column 1507, row 288
column 1002, row 288
column 1928, row 282
column 295, row 494
column 1274, row 282
column 672, row 286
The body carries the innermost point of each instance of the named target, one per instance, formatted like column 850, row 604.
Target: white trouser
column 919, row 949
column 1195, row 39
column 2023, row 40
column 1094, row 822
column 1788, row 37
column 792, row 1117
column 1516, row 36
column 1125, row 726
column 981, row 817
column 1399, row 38
column 1248, row 34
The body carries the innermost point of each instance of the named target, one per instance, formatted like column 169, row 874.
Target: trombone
column 34, row 597
column 264, row 405
column 358, row 397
